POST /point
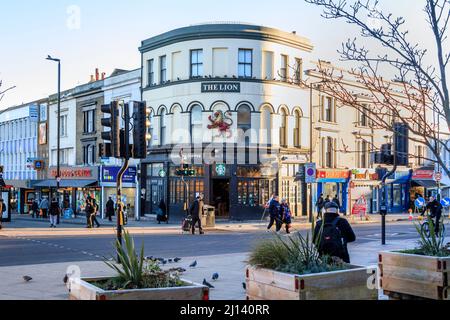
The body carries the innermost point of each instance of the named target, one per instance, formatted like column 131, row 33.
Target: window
column 298, row 129
column 163, row 69
column 420, row 155
column 298, row 70
column 268, row 65
column 266, row 126
column 89, row 121
column 63, row 128
column 150, row 130
column 151, row 72
column 244, row 123
column 196, row 63
column 284, row 128
column 245, row 67
column 363, row 119
column 328, row 113
column 284, row 68
column 163, row 132
column 89, row 154
column 328, row 152
column 196, row 124
column 363, row 154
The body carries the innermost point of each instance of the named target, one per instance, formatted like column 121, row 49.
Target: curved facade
column 234, row 89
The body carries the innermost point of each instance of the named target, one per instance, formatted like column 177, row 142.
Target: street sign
column 310, row 173
column 420, row 203
column 438, row 176
column 445, row 202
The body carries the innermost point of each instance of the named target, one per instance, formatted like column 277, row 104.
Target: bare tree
column 2, row 92
column 419, row 90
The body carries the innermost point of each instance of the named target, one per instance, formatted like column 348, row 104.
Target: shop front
column 77, row 184
column 108, row 184
column 5, row 195
column 398, row 192
column 334, row 182
column 423, row 184
column 365, row 185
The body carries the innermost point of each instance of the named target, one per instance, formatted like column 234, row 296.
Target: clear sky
column 106, row 34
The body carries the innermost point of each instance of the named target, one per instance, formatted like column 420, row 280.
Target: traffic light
column 104, row 150
column 140, row 130
column 1, row 169
column 113, row 123
column 401, row 140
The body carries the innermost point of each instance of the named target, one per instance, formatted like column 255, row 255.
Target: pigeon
column 206, row 283
column 193, row 264
column 215, row 276
column 170, row 260
column 177, row 260
column 66, row 278
column 27, row 278
column 244, row 285
column 164, row 262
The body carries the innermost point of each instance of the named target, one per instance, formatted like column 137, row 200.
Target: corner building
column 233, row 90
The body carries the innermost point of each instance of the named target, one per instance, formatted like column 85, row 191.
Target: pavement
column 47, row 259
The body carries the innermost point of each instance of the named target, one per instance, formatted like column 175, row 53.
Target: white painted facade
column 68, row 143
column 18, row 141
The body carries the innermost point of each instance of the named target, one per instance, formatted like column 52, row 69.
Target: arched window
column 244, row 123
column 177, row 134
column 150, row 129
column 163, row 127
column 266, row 125
column 196, row 124
column 298, row 129
column 284, row 128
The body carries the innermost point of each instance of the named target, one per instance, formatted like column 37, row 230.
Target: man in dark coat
column 196, row 211
column 346, row 232
column 110, row 209
column 275, row 214
column 337, row 201
column 320, row 204
column 436, row 212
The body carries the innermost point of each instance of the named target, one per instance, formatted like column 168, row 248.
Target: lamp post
column 58, row 168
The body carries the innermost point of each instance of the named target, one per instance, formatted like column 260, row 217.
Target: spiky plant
column 430, row 242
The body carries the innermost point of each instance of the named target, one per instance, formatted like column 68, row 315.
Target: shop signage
column 34, row 113
column 110, row 174
column 221, row 170
column 76, row 173
column 365, row 174
column 333, row 174
column 212, row 87
column 423, row 175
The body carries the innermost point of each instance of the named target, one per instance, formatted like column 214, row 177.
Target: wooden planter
column 352, row 284
column 82, row 289
column 414, row 275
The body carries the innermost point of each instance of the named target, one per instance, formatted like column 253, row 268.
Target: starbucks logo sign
column 221, row 170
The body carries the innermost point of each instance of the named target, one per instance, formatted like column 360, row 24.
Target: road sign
column 445, row 202
column 438, row 176
column 310, row 173
column 420, row 203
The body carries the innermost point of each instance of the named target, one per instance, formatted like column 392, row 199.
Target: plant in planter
column 137, row 279
column 293, row 269
column 421, row 272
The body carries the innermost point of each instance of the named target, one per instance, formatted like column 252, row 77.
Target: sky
column 106, row 34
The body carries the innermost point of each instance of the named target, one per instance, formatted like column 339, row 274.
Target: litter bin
column 209, row 216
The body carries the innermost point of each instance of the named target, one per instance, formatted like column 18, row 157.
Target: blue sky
column 110, row 32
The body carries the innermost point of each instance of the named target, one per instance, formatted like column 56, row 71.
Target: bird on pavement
column 170, row 260
column 66, row 278
column 244, row 285
column 193, row 264
column 215, row 276
column 177, row 260
column 206, row 283
column 27, row 278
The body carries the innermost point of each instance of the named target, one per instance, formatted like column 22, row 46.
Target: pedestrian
column 335, row 234
column 275, row 214
column 110, row 209
column 320, row 204
column 88, row 209
column 286, row 214
column 327, row 200
column 2, row 211
column 435, row 212
column 196, row 211
column 44, row 205
column 94, row 213
column 337, row 201
column 35, row 209
column 162, row 213
column 54, row 212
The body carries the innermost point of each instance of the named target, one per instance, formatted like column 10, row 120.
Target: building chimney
column 97, row 74
column 103, row 75
column 92, row 78
column 294, row 32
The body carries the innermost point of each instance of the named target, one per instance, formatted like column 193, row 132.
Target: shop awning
column 66, row 183
column 428, row 184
